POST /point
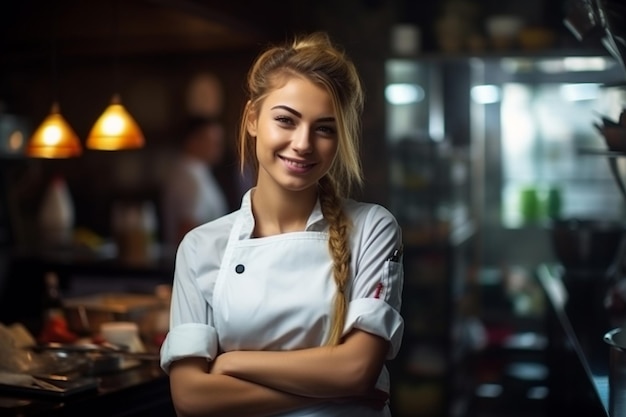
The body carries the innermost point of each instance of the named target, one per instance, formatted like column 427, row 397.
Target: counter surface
column 138, row 391
column 577, row 354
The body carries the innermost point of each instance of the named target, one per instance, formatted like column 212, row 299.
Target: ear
column 251, row 119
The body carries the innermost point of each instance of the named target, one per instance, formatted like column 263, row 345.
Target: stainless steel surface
column 104, row 349
column 617, row 162
column 616, row 338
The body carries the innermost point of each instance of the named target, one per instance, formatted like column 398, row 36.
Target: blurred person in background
column 192, row 195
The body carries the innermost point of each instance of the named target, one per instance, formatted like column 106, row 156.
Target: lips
column 296, row 165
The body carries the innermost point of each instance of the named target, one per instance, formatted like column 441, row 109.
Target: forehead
column 302, row 95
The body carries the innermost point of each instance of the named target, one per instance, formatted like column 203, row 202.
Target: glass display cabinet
column 484, row 151
column 429, row 193
column 531, row 118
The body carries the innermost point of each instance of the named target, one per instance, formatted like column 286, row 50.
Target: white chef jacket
column 235, row 292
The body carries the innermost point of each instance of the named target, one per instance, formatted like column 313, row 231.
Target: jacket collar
column 315, row 222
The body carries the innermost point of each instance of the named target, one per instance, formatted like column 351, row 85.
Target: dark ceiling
column 28, row 28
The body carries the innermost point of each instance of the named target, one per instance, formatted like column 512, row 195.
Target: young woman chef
column 290, row 305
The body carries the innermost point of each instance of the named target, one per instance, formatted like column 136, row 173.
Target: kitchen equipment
column 56, row 215
column 600, row 22
column 503, row 30
column 103, row 349
column 616, row 339
column 123, row 333
column 582, row 20
column 134, row 228
column 585, row 244
column 612, row 15
column 87, row 314
column 25, row 385
column 92, row 359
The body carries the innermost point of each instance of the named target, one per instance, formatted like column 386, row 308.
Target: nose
column 302, row 141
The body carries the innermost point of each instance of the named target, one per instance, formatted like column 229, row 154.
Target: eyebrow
column 299, row 115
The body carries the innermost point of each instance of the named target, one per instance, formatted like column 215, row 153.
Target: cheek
column 270, row 137
column 263, row 147
column 329, row 150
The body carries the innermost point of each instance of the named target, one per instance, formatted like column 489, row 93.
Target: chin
column 297, row 189
column 298, row 186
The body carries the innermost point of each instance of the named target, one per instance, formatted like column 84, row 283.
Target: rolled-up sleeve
column 191, row 331
column 376, row 293
column 186, row 340
column 377, row 317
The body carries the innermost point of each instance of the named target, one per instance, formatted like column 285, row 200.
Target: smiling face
column 296, row 135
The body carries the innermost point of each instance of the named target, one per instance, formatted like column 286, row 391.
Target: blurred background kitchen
column 493, row 130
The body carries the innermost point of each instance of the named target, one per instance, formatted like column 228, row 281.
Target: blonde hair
column 315, row 58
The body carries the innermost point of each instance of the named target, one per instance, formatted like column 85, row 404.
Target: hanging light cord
column 54, row 71
column 116, row 46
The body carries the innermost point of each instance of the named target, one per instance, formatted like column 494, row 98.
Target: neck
column 280, row 211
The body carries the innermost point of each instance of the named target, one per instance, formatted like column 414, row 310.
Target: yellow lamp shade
column 54, row 138
column 115, row 130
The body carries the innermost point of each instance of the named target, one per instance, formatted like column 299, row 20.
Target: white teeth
column 296, row 164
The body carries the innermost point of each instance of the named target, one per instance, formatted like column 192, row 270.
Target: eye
column 284, row 120
column 328, row 131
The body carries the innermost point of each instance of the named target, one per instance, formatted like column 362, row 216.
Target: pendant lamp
column 115, row 129
column 54, row 138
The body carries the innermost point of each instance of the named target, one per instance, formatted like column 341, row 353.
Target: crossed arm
column 262, row 383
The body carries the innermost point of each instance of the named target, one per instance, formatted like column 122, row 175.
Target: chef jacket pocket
column 390, row 287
